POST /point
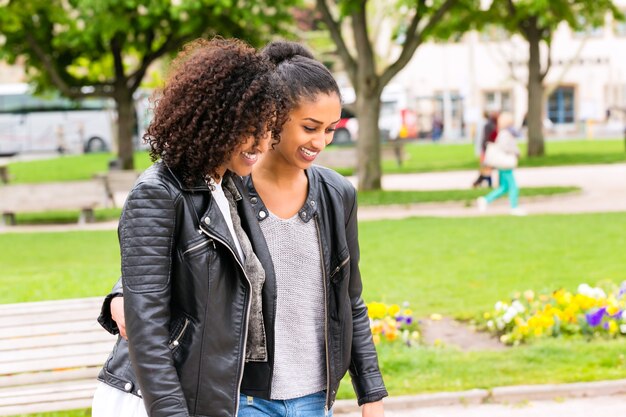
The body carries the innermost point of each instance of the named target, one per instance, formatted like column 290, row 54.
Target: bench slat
column 44, row 389
column 33, row 378
column 97, row 335
column 54, row 352
column 49, row 329
column 74, row 404
column 51, row 305
column 76, row 361
column 52, row 317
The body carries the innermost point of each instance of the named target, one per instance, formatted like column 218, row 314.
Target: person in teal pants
column 507, row 144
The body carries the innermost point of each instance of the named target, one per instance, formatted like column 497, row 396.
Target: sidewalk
column 553, row 400
column 603, row 190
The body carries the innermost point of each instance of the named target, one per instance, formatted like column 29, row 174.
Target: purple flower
column 408, row 320
column 622, row 290
column 595, row 318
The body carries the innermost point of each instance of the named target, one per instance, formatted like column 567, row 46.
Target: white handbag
column 495, row 157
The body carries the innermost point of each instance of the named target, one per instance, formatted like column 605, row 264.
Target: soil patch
column 450, row 332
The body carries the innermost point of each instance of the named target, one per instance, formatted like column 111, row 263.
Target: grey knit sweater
column 300, row 358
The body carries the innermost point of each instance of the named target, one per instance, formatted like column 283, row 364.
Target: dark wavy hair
column 303, row 76
column 218, row 93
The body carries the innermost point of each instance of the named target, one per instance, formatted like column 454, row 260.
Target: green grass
column 64, row 217
column 70, row 413
column 427, row 157
column 48, row 266
column 68, row 168
column 377, row 198
column 421, row 157
column 452, row 266
column 431, row 369
column 460, row 266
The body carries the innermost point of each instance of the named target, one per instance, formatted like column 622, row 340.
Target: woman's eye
column 309, row 129
column 330, row 130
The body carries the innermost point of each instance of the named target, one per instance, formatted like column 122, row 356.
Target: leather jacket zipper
column 198, row 246
column 341, row 265
column 319, row 241
column 247, row 322
column 174, row 343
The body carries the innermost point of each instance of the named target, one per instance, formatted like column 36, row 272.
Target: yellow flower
column 393, row 310
column 486, row 315
column 376, row 310
column 376, row 338
column 613, row 327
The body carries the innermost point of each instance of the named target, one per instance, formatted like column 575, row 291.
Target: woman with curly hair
column 316, row 325
column 191, row 248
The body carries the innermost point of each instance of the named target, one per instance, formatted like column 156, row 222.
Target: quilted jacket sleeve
column 146, row 234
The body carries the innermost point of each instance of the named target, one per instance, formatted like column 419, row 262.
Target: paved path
column 603, row 190
column 609, row 406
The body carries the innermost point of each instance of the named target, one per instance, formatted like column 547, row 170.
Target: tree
column 103, row 48
column 414, row 22
column 536, row 21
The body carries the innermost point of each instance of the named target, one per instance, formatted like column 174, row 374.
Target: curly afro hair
column 219, row 93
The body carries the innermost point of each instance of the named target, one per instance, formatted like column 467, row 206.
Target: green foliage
column 517, row 16
column 79, row 39
column 104, row 48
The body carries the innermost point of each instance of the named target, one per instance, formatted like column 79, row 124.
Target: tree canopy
column 104, row 47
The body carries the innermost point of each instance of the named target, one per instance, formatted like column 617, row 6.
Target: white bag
column 495, row 157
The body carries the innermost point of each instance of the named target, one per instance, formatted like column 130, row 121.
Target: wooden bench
column 117, row 184
column 74, row 195
column 4, row 174
column 50, row 355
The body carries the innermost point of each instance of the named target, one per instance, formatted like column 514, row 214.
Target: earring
column 211, row 183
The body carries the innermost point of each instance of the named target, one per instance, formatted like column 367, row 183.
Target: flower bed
column 391, row 323
column 590, row 312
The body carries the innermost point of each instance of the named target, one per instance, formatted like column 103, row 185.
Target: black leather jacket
column 196, row 368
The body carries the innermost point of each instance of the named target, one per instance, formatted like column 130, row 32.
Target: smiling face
column 309, row 130
column 246, row 155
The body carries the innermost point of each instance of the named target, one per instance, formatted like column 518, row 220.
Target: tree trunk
column 126, row 124
column 368, row 144
column 534, row 116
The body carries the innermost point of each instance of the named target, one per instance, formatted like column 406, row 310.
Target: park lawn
column 421, row 157
column 65, row 217
column 452, row 266
column 428, row 156
column 68, row 167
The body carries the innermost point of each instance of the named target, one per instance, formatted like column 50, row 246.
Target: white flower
column 584, row 289
column 509, row 315
column 499, row 324
column 622, row 328
column 593, row 292
column 519, row 307
column 490, row 325
column 498, row 306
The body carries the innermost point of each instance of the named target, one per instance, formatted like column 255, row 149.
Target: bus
column 33, row 123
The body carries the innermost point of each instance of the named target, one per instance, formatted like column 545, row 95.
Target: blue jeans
column 507, row 184
column 308, row 406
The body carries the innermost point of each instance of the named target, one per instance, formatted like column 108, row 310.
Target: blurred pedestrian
column 489, row 133
column 503, row 154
